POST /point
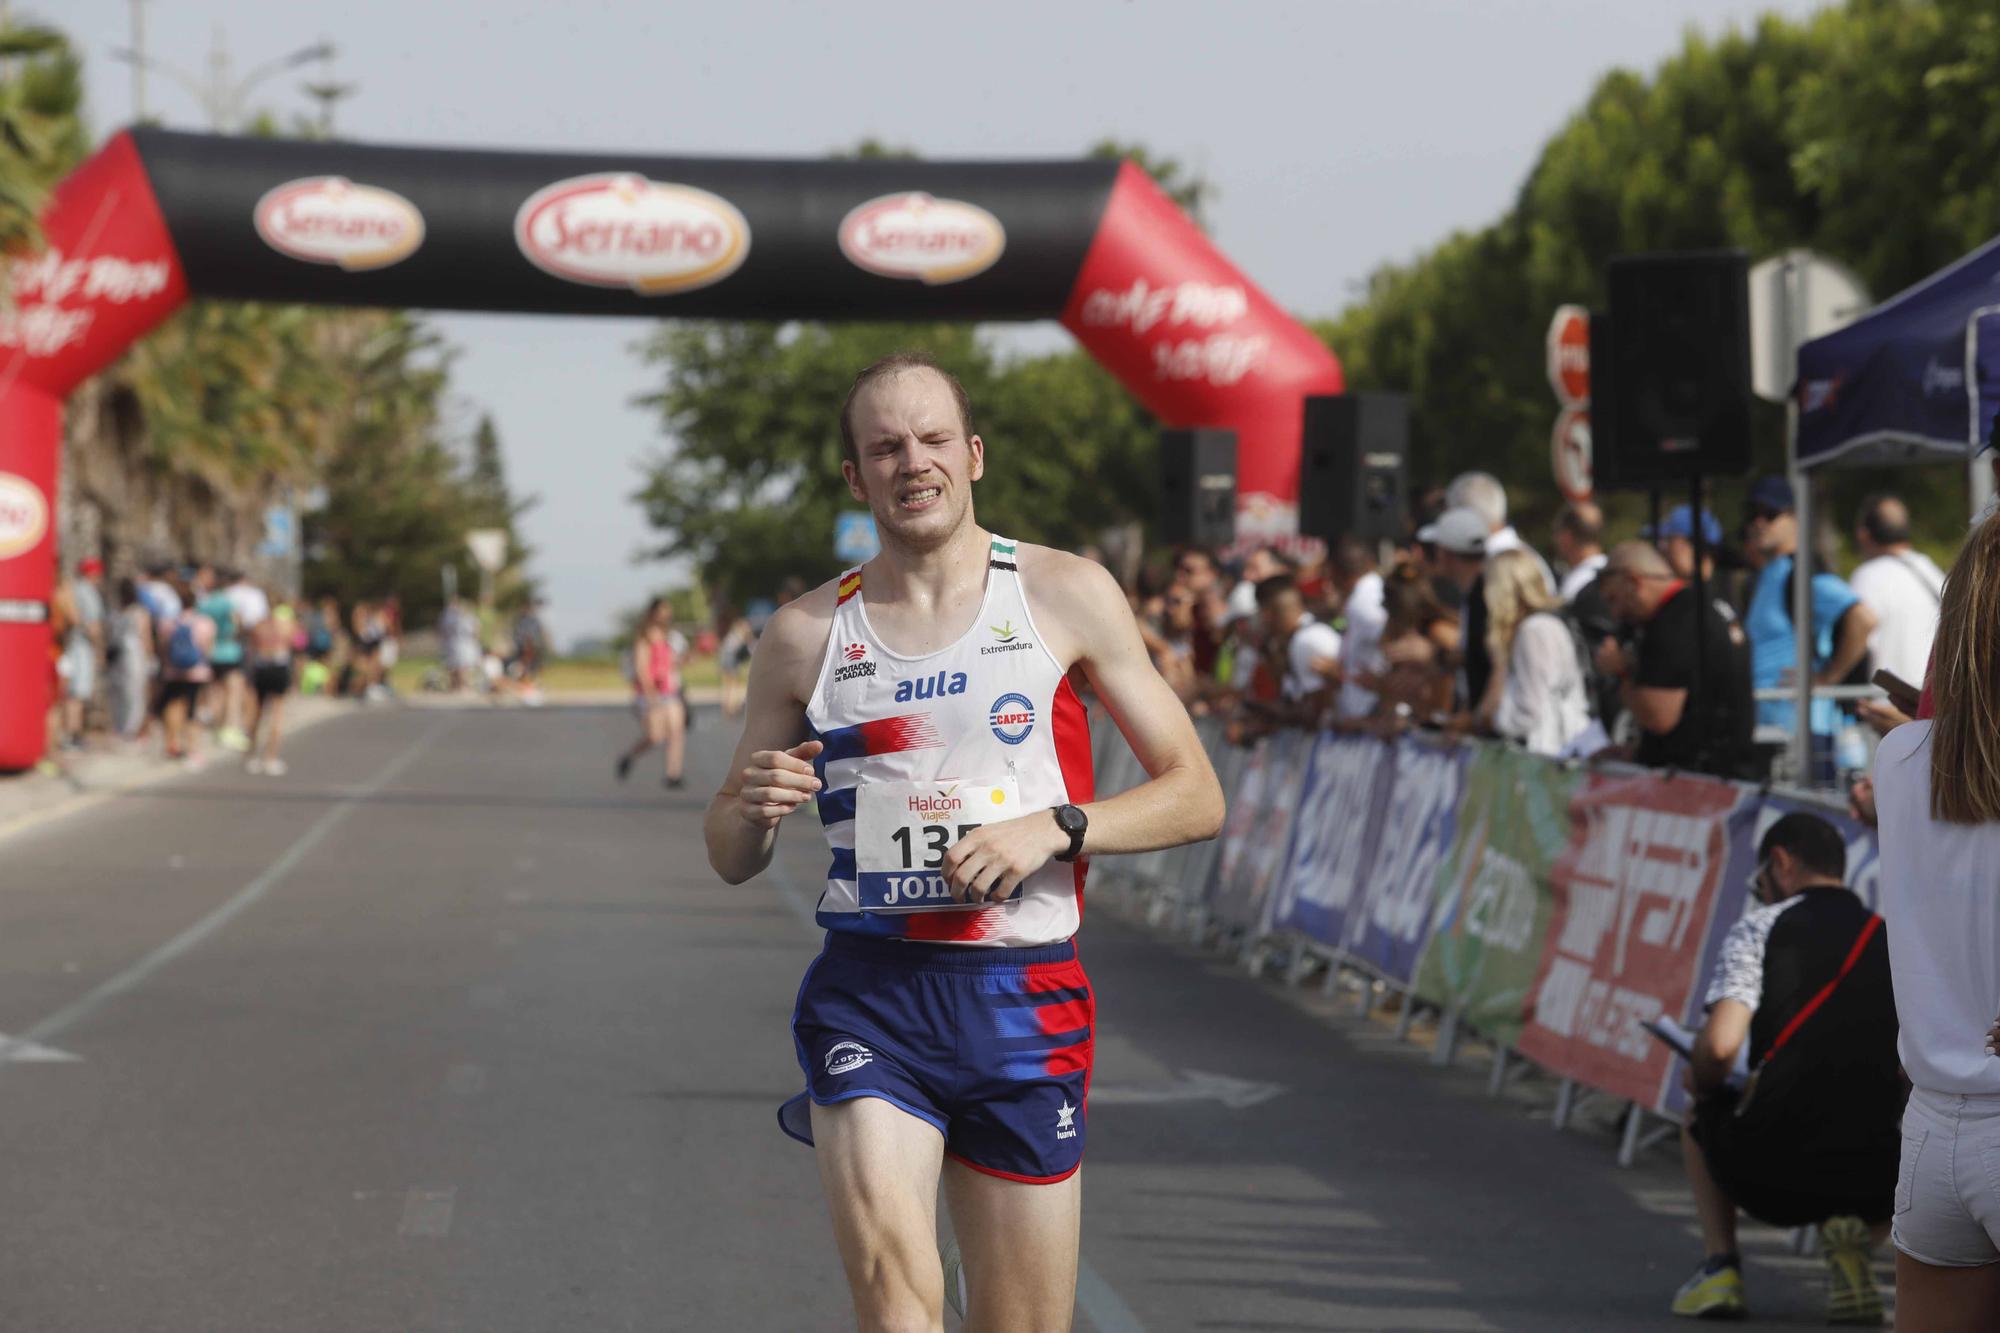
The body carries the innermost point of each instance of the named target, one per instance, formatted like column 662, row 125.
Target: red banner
column 1635, row 897
column 1198, row 343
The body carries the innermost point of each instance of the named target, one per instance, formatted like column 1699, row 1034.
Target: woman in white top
column 1540, row 699
column 1937, row 797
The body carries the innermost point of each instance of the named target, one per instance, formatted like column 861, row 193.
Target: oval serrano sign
column 24, row 516
column 916, row 236
column 331, row 220
column 617, row 229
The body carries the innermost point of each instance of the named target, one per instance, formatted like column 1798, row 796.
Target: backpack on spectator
column 183, row 649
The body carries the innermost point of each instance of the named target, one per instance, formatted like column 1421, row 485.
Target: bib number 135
column 902, row 831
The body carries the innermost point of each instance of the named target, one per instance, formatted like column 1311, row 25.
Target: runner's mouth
column 922, row 498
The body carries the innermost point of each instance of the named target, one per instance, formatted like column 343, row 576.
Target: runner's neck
column 927, row 581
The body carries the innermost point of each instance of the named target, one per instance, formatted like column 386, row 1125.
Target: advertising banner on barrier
column 1417, row 823
column 1636, row 896
column 1340, row 799
column 1494, row 903
column 1251, row 868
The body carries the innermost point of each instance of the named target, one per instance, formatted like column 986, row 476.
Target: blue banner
column 1388, row 926
column 1341, row 799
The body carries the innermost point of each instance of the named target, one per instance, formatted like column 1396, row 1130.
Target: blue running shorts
column 990, row 1047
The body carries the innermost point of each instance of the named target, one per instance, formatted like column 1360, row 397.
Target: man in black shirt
column 1802, row 991
column 1693, row 713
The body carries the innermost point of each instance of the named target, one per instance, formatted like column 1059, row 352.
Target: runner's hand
column 1993, row 1038
column 777, row 783
column 989, row 863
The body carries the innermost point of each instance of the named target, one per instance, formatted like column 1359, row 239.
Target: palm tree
column 41, row 126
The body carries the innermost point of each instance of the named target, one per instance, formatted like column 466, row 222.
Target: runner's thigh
column 1020, row 1243
column 879, row 1167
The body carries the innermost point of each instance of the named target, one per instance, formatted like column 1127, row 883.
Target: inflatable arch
column 157, row 217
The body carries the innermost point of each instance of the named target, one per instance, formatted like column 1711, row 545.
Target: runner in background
column 185, row 671
column 271, row 647
column 733, row 654
column 656, row 679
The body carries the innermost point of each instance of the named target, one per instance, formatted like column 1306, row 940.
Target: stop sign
column 1569, row 355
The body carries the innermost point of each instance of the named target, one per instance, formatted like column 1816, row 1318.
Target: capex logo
column 1012, row 718
column 331, row 220
column 854, row 664
column 618, row 229
column 1006, row 639
column 916, row 236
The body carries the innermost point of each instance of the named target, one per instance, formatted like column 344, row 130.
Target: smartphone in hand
column 1901, row 693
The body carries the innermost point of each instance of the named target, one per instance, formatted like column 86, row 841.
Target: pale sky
column 1340, row 134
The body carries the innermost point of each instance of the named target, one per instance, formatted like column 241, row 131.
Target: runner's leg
column 674, row 729
column 1020, row 1244
column 879, row 1167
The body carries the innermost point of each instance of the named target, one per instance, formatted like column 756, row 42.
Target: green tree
column 41, row 125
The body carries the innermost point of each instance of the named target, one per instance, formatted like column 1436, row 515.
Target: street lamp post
column 220, row 94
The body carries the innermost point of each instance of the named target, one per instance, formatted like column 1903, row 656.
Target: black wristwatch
column 1071, row 820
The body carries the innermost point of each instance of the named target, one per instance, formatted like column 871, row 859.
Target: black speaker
column 1678, row 396
column 1351, row 466
column 1198, row 488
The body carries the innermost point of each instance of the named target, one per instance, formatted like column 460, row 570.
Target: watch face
column 1070, row 819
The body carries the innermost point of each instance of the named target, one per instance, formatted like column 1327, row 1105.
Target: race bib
column 903, row 829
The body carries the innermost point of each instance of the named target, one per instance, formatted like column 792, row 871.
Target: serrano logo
column 617, row 229
column 24, row 516
column 915, row 236
column 331, row 220
column 1012, row 717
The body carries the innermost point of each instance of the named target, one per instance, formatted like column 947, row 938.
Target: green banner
column 1492, row 899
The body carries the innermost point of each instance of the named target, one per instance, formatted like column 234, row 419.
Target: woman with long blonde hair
column 1539, row 697
column 1937, row 798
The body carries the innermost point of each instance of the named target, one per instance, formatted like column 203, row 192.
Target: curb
column 81, row 795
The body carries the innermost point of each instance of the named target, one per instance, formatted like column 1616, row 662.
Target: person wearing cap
column 83, row 649
column 1458, row 537
column 1841, row 622
column 1675, row 539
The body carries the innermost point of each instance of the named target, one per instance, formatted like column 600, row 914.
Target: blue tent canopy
column 1915, row 379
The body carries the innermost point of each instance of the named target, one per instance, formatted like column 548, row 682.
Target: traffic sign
column 1569, row 446
column 1569, row 355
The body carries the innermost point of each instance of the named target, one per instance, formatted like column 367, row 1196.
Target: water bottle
column 1850, row 751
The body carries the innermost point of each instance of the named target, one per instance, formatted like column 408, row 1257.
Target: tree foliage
column 1865, row 132
column 41, row 125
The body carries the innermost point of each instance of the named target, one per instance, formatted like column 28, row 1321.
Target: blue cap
column 1773, row 493
column 1680, row 523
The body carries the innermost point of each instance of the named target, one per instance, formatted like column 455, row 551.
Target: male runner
column 921, row 703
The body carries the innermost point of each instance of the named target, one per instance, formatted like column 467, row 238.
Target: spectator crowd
column 188, row 656
column 1466, row 627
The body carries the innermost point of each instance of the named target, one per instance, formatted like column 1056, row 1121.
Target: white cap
column 1461, row 531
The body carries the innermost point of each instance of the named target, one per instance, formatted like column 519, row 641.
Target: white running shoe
column 274, row 768
column 954, row 1277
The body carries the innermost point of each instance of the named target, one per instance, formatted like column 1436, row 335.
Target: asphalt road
column 449, row 1031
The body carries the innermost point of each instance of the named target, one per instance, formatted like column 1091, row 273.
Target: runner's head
column 909, row 451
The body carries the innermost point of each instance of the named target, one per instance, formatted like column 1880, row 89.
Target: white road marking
column 427, row 1212
column 1193, row 1086
column 465, row 1080
column 1101, row 1305
column 244, row 898
column 20, row 1051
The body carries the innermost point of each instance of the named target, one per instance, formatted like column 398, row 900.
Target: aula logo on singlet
column 931, row 687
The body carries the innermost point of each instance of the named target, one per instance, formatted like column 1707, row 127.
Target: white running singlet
column 920, row 750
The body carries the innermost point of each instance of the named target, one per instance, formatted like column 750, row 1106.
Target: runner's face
column 916, row 467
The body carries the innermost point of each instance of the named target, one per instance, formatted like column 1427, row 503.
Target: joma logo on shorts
column 844, row 1057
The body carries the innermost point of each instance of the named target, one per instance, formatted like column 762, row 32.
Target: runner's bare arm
column 771, row 774
column 1089, row 623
